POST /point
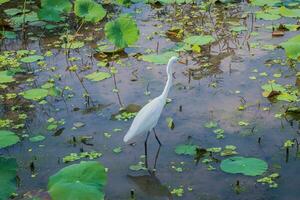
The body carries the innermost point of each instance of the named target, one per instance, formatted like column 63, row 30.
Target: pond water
column 221, row 84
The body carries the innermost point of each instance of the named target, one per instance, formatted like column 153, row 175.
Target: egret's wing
column 146, row 119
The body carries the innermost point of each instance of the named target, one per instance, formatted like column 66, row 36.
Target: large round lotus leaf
column 30, row 59
column 292, row 47
column 35, row 94
column 8, row 171
column 5, row 77
column 246, row 166
column 122, row 32
column 159, row 58
column 199, row 40
column 84, row 181
column 89, row 10
column 8, row 138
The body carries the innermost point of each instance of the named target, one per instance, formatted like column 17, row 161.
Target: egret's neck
column 169, row 82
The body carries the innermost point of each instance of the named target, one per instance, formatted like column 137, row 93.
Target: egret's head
column 172, row 60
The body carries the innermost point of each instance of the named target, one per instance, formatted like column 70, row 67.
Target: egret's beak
column 182, row 61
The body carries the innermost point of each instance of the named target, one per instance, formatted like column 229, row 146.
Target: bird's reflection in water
column 151, row 186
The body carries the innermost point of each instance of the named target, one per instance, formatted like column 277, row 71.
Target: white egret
column 147, row 118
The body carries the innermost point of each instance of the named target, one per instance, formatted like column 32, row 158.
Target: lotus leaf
column 159, row 58
column 84, row 181
column 122, row 32
column 89, row 10
column 247, row 166
column 35, row 94
column 8, row 172
column 186, row 149
column 5, row 77
column 98, row 76
column 8, row 138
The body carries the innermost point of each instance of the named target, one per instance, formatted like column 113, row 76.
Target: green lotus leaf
column 122, row 32
column 186, row 149
column 265, row 2
column 49, row 14
column 8, row 138
column 3, row 1
column 98, row 76
column 292, row 47
column 8, row 172
column 159, row 58
column 58, row 5
column 244, row 165
column 267, row 16
column 89, row 10
column 18, row 20
column 84, row 181
column 35, row 94
column 199, row 40
column 30, row 59
column 5, row 77
column 37, row 138
column 13, row 11
column 286, row 12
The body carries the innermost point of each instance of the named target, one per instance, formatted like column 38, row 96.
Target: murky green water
column 210, row 87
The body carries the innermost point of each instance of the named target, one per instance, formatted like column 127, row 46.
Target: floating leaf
column 8, row 172
column 8, row 138
column 199, row 40
column 238, row 29
column 37, row 138
column 186, row 149
column 292, row 47
column 159, row 58
column 9, row 34
column 89, row 10
column 98, row 76
column 30, row 59
column 35, row 94
column 286, row 12
column 84, row 181
column 265, row 2
column 243, row 165
column 5, row 77
column 122, row 32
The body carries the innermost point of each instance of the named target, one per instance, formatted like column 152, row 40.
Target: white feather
column 147, row 118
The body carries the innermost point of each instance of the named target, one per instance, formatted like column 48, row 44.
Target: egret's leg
column 156, row 137
column 156, row 157
column 146, row 157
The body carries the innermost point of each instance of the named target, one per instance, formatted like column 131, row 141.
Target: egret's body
column 147, row 118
